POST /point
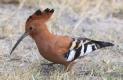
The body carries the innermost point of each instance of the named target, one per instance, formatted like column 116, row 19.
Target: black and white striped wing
column 83, row 46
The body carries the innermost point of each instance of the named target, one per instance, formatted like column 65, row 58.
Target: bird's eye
column 30, row 28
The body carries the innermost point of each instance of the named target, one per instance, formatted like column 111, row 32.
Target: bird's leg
column 69, row 66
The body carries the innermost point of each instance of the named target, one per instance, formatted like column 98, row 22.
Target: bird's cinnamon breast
column 51, row 49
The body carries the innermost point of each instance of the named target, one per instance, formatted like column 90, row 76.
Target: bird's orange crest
column 41, row 15
column 36, row 22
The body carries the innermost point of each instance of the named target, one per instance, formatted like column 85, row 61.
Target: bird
column 58, row 49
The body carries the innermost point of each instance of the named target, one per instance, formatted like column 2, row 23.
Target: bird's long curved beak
column 18, row 41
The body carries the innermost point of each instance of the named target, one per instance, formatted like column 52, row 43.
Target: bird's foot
column 69, row 67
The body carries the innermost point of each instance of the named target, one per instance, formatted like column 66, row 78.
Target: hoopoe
column 55, row 48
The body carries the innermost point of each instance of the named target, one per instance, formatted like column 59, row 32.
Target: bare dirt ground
column 100, row 22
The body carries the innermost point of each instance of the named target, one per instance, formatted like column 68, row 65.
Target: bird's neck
column 44, row 34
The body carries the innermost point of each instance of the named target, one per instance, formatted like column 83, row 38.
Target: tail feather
column 101, row 44
column 93, row 45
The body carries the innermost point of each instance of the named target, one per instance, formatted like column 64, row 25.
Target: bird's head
column 35, row 24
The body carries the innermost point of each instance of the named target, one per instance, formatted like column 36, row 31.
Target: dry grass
column 96, row 19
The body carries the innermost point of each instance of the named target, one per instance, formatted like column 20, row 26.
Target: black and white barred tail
column 83, row 46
